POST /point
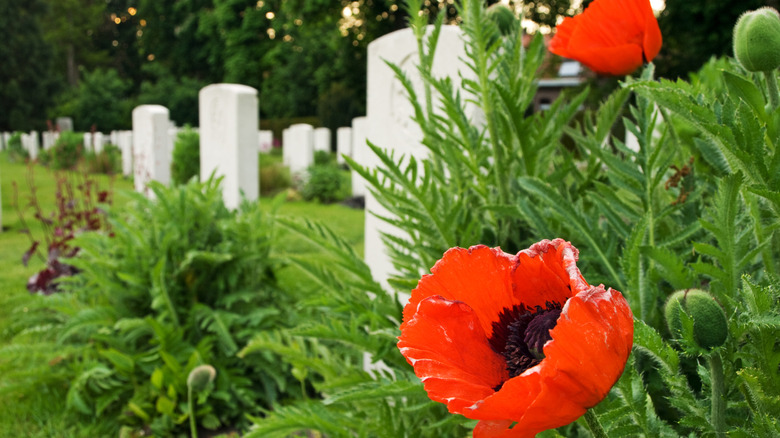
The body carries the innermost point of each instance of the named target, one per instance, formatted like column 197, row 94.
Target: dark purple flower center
column 520, row 335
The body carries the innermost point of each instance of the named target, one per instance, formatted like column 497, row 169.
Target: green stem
column 193, row 426
column 594, row 425
column 718, row 400
column 771, row 84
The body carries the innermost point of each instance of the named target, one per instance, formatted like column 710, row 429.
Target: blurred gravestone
column 125, row 144
column 299, row 148
column 343, row 144
column 97, row 142
column 228, row 140
column 322, row 139
column 360, row 152
column 152, row 156
column 265, row 140
column 64, row 124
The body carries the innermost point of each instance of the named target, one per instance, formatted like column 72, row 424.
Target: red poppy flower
column 612, row 37
column 521, row 342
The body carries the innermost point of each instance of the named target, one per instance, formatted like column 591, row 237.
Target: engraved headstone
column 228, row 140
column 390, row 124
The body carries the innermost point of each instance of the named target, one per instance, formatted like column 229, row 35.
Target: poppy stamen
column 527, row 335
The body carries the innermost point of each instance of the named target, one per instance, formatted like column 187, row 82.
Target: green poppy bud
column 200, row 377
column 757, row 39
column 710, row 328
column 503, row 16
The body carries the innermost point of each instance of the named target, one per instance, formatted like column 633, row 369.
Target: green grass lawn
column 41, row 413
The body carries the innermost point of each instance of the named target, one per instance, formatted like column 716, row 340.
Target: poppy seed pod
column 200, row 377
column 710, row 328
column 757, row 40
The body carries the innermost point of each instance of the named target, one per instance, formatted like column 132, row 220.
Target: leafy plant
column 107, row 161
column 186, row 156
column 16, row 151
column 183, row 282
column 66, row 151
column 323, row 183
column 80, row 202
column 664, row 186
column 274, row 176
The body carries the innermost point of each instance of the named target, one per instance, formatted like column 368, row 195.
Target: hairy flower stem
column 718, row 401
column 594, row 425
column 193, row 426
column 774, row 94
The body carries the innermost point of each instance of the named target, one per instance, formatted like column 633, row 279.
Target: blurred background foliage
column 94, row 60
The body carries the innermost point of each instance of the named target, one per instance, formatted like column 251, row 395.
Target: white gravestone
column 64, row 124
column 34, row 143
column 300, row 149
column 360, row 153
column 152, row 155
column 88, row 142
column 390, row 124
column 97, row 142
column 228, row 140
column 343, row 144
column 286, row 150
column 125, row 144
column 322, row 139
column 265, row 141
column 113, row 138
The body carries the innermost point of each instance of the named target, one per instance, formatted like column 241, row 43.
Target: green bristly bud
column 710, row 328
column 503, row 16
column 200, row 377
column 757, row 40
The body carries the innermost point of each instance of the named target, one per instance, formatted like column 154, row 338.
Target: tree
column 24, row 67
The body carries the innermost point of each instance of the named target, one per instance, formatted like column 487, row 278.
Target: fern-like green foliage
column 665, row 186
column 181, row 281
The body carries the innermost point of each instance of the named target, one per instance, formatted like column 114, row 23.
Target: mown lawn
column 42, row 413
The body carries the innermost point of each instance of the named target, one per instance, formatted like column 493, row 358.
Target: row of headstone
column 229, row 142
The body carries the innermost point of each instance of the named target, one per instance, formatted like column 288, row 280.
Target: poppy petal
column 610, row 37
column 547, row 271
column 587, row 354
column 449, row 351
column 617, row 61
column 499, row 429
column 479, row 276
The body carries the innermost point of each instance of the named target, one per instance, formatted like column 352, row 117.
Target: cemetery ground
column 42, row 413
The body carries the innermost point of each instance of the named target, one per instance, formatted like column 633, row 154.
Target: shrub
column 184, row 282
column 324, row 183
column 15, row 150
column 77, row 198
column 274, row 176
column 100, row 101
column 107, row 161
column 323, row 158
column 66, row 151
column 186, row 156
